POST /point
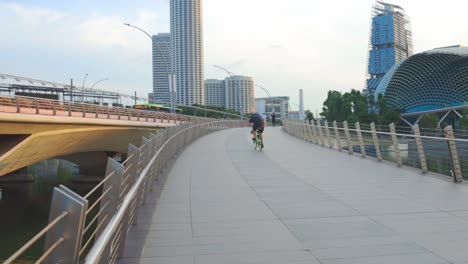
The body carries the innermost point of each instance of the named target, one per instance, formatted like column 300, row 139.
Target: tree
column 309, row 116
column 429, row 121
column 386, row 116
column 464, row 122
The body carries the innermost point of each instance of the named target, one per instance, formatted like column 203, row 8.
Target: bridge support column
column 337, row 135
column 456, row 168
column 361, row 140
column 348, row 138
column 420, row 146
column 327, row 131
column 396, row 147
column 378, row 153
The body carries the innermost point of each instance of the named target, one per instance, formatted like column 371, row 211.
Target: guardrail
column 40, row 106
column 445, row 155
column 82, row 230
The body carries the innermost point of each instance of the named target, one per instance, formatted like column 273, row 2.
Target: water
column 24, row 207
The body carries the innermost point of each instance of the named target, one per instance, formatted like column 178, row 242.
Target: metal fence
column 436, row 151
column 81, row 231
column 41, row 106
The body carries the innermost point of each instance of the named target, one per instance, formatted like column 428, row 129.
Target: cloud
column 33, row 15
column 276, row 46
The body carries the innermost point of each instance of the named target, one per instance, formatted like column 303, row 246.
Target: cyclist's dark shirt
column 257, row 120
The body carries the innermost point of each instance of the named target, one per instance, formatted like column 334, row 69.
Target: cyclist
column 258, row 123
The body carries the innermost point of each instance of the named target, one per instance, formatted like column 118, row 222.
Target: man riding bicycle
column 258, row 124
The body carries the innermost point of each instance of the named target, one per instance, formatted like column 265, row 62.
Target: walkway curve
column 295, row 202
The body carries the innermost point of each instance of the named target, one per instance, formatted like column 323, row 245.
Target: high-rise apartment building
column 240, row 94
column 390, row 41
column 215, row 92
column 187, row 50
column 236, row 92
column 161, row 68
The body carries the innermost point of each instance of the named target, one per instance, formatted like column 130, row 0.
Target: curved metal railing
column 83, row 229
column 436, row 151
column 40, row 106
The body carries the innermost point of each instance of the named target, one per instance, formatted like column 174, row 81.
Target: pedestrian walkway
column 295, row 202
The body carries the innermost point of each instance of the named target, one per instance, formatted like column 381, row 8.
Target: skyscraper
column 161, row 67
column 236, row 92
column 390, row 41
column 187, row 50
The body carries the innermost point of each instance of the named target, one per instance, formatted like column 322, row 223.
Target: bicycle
column 258, row 140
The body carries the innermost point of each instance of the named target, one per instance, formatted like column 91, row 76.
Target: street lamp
column 238, row 90
column 169, row 75
column 98, row 82
column 82, row 87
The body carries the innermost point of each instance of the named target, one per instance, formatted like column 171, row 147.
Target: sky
column 314, row 45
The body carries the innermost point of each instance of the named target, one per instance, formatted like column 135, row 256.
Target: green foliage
column 464, row 122
column 353, row 107
column 429, row 121
column 309, row 115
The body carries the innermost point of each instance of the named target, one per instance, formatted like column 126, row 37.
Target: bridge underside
column 25, row 140
column 297, row 203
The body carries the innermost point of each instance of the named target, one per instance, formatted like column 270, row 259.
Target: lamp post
column 98, row 82
column 238, row 91
column 82, row 87
column 169, row 75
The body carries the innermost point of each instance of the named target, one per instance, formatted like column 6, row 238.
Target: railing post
column 361, row 140
column 36, row 104
column 138, row 115
column 112, row 200
column 69, row 109
column 319, row 127
column 18, row 105
column 395, row 144
column 97, row 111
column 69, row 229
column 309, row 131
column 54, row 108
column 314, row 132
column 420, row 146
column 456, row 168
column 118, row 112
column 348, row 138
column 378, row 153
column 337, row 135
column 108, row 112
column 129, row 114
column 327, row 130
column 83, row 107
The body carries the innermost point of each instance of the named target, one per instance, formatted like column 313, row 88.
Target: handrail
column 427, row 152
column 35, row 238
column 389, row 133
column 95, row 253
column 91, row 226
column 51, row 106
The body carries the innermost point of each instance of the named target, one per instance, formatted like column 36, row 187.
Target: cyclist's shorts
column 260, row 129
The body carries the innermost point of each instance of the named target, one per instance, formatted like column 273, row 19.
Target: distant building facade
column 277, row 104
column 162, row 65
column 187, row 50
column 236, row 92
column 390, row 41
column 215, row 92
column 428, row 81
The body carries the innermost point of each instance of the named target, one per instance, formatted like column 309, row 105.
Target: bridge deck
column 297, row 203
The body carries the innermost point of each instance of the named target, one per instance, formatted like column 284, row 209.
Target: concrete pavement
column 295, row 202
